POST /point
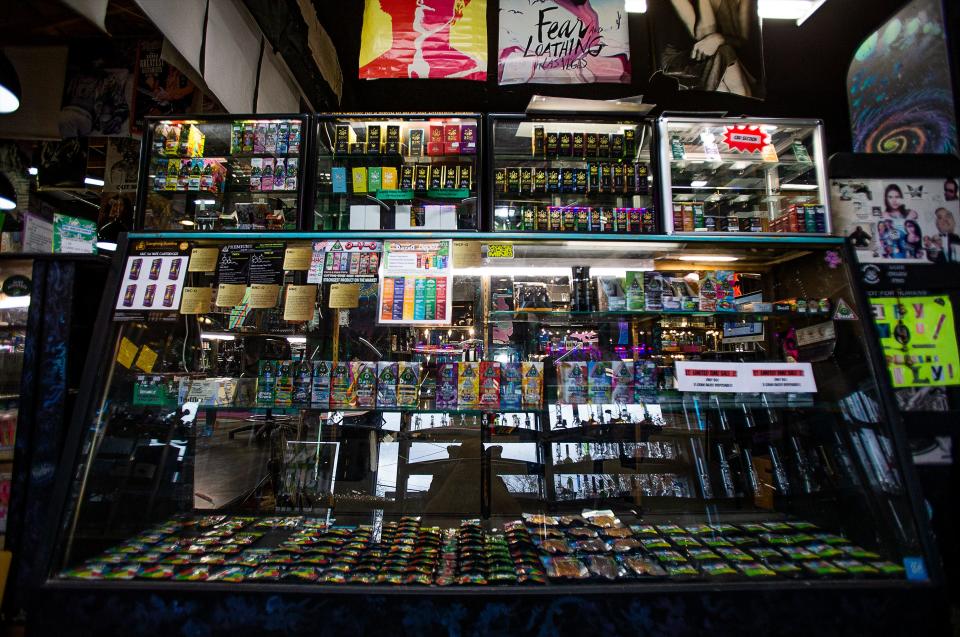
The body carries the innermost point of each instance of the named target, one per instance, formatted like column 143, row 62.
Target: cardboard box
column 435, row 146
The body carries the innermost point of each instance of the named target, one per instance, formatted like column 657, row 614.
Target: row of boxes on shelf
column 443, row 139
column 611, row 178
column 178, row 138
column 605, row 382
column 199, row 175
column 576, row 219
column 268, row 173
column 691, row 217
column 801, row 218
column 416, row 177
column 281, row 137
column 358, row 384
column 577, row 144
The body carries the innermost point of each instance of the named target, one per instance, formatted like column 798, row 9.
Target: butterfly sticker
column 915, row 192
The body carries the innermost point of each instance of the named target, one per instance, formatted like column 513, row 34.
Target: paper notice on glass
column 300, row 303
column 769, row 153
column 230, row 294
column 127, row 352
column 466, row 254
column 146, row 359
column 344, row 296
column 264, row 295
column 37, row 234
column 203, row 260
column 196, row 300
column 297, row 258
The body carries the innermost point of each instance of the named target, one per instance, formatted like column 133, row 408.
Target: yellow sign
column 297, row 258
column 344, row 296
column 264, row 295
column 196, row 300
column 230, row 294
column 466, row 254
column 500, row 251
column 127, row 352
column 300, row 302
column 203, row 260
column 147, row 359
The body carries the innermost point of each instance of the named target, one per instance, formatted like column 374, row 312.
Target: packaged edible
column 565, row 568
column 603, row 567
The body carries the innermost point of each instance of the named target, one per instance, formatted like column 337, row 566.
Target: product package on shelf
column 408, row 384
column 489, row 385
column 447, row 385
column 320, row 391
column 468, row 385
column 511, row 385
column 387, row 372
column 343, row 387
column 574, row 383
column 600, row 384
column 365, row 380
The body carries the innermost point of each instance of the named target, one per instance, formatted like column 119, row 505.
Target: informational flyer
column 345, row 261
column 761, row 378
column 416, row 282
column 153, row 279
column 919, row 340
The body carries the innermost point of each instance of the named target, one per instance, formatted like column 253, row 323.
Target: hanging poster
column 424, row 39
column 898, row 221
column 160, row 88
column 563, row 42
column 416, row 286
column 709, row 45
column 98, row 90
column 919, row 340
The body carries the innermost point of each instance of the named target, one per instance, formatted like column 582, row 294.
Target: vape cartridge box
column 630, row 142
column 357, row 148
column 464, row 176
column 616, row 145
column 580, row 180
column 513, row 179
column 591, row 145
column 635, row 225
column 543, row 219
column 622, row 373
column 450, row 175
column 343, row 389
column 365, row 379
column 619, row 182
column 374, row 178
column 386, row 382
column 256, row 170
column 415, row 144
column 634, row 291
column 605, row 172
column 392, row 144
column 500, row 180
column 642, row 177
column 283, row 396
column 526, row 179
column 553, row 144
column 421, row 177
column 490, row 384
column 436, row 176
column 447, row 385
column 468, row 139
column 573, row 382
column 266, row 382
column 603, row 145
column 373, row 139
column 468, row 384
column 359, row 174
column 578, row 144
column 320, row 392
column 566, row 144
column 622, row 220
column 600, row 384
column 435, row 144
column 553, row 180
column 556, row 218
column 293, row 167
column 567, row 180
column 389, row 178
column 344, row 137
column 338, row 176
column 266, row 174
column 537, row 141
column 593, row 178
column 408, row 384
column 531, row 384
column 406, row 177
column 451, row 139
column 511, row 385
column 540, row 179
column 302, row 382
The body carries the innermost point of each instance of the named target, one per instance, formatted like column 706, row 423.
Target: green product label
column 431, row 300
column 676, row 149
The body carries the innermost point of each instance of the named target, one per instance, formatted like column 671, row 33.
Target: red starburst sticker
column 745, row 139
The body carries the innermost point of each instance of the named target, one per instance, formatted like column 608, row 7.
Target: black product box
column 421, row 177
column 513, row 180
column 603, row 145
column 621, row 221
column 464, row 176
column 578, row 144
column 373, row 139
column 583, row 219
column 567, row 180
column 553, row 180
column 415, row 146
column 436, row 176
column 357, row 148
column 607, row 220
column 648, row 219
column 451, row 174
column 641, row 176
column 540, row 179
column 553, row 144
column 536, row 148
column 606, row 178
column 556, row 219
column 341, row 139
column 593, row 178
column 392, row 144
column 616, row 145
column 500, row 180
column 569, row 219
column 406, row 177
column 526, row 179
column 630, row 142
column 591, row 145
column 595, row 225
column 634, row 221
column 580, row 180
column 543, row 219
column 619, row 181
column 529, row 215
column 566, row 144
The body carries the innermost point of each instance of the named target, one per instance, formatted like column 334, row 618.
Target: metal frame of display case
column 96, row 376
column 306, row 165
column 319, row 119
column 490, row 161
column 665, row 189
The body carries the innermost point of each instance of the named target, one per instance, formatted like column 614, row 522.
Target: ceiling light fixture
column 707, row 258
column 93, row 181
column 9, row 86
column 8, row 196
column 635, row 6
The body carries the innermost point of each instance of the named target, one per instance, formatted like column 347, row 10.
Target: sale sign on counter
column 776, row 378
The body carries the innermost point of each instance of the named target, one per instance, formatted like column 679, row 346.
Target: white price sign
column 770, row 378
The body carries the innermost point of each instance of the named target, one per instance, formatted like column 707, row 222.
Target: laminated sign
column 750, row 378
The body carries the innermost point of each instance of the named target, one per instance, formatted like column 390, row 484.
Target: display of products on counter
column 594, row 178
column 435, row 138
column 266, row 137
column 802, row 218
column 189, row 175
column 539, row 549
column 578, row 144
column 413, row 177
column 586, row 219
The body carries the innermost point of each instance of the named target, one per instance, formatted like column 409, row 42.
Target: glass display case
column 222, row 172
column 502, row 409
column 378, row 171
column 583, row 174
column 743, row 175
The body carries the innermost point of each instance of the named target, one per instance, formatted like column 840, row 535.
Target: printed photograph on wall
column 98, row 91
column 898, row 221
column 899, row 86
column 563, row 42
column 709, row 45
column 424, row 39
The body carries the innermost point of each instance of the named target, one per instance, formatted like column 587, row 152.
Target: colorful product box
column 293, row 138
column 447, row 385
column 389, row 178
column 260, row 137
column 293, row 168
column 622, row 373
column 531, row 384
column 600, row 384
column 725, row 293
column 266, row 175
column 256, row 171
column 511, row 385
column 435, row 145
column 359, row 175
column 708, row 292
column 489, row 385
column 451, row 139
column 266, row 383
column 468, row 384
column 374, row 178
column 302, row 382
column 320, row 390
column 408, row 384
column 343, row 137
column 365, row 378
column 283, row 138
column 634, row 291
column 574, row 383
column 283, row 396
column 645, row 379
column 654, row 285
column 280, row 174
column 343, row 389
column 387, row 381
column 338, row 176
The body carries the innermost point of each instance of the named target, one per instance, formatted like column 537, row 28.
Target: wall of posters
column 919, row 340
column 563, row 42
column 713, row 45
column 416, row 283
column 424, row 39
column 898, row 220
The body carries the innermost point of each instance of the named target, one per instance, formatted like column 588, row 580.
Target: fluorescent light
column 217, row 336
column 698, row 183
column 635, row 6
column 799, row 186
column 32, row 171
column 786, row 9
column 15, row 301
column 205, row 202
column 705, row 258
column 296, row 339
column 93, row 181
column 106, row 245
column 511, row 271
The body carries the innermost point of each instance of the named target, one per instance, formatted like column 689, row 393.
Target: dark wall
column 806, row 68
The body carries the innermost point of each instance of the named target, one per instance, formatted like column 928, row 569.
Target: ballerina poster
column 563, row 42
column 424, row 39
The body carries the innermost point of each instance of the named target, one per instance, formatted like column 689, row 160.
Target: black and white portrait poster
column 709, row 45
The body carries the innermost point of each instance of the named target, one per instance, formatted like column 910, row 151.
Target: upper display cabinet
column 397, row 172
column 584, row 175
column 230, row 173
column 739, row 175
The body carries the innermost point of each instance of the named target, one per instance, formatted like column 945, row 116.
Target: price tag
column 466, row 254
column 203, row 260
column 500, row 251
